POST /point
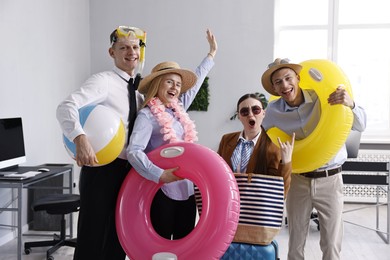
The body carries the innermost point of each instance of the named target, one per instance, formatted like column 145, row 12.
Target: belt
column 321, row 174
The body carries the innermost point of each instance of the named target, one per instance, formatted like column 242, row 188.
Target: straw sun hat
column 274, row 66
column 188, row 78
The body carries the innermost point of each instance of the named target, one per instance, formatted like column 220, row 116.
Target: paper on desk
column 23, row 175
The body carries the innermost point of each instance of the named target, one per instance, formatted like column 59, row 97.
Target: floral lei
column 165, row 120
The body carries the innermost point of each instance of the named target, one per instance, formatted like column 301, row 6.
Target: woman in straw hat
column 169, row 91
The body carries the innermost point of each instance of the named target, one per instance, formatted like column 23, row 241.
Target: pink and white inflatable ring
column 220, row 211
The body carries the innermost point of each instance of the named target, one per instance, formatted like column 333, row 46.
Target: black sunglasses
column 255, row 110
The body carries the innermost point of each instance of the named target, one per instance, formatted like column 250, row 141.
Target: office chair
column 55, row 204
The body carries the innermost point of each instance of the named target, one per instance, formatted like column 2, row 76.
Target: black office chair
column 55, row 204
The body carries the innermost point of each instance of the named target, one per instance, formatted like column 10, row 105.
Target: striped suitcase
column 237, row 251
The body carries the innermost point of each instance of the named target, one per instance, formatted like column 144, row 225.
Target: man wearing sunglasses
column 99, row 185
column 298, row 111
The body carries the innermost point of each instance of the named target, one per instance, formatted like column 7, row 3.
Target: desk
column 31, row 183
column 361, row 172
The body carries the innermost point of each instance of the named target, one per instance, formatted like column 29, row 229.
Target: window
column 353, row 33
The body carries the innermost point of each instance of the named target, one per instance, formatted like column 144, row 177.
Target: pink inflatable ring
column 220, row 211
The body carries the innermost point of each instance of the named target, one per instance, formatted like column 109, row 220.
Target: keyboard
column 18, row 176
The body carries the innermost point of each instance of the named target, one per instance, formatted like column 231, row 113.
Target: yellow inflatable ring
column 331, row 132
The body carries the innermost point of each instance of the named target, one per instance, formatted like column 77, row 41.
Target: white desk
column 361, row 171
column 31, row 183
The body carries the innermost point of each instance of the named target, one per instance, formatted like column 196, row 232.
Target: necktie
column 132, row 105
column 241, row 155
column 246, row 151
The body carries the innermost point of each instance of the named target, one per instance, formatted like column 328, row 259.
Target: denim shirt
column 303, row 119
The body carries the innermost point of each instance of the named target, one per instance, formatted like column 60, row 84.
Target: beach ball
column 105, row 131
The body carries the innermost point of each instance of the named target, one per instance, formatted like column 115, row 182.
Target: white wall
column 176, row 30
column 45, row 54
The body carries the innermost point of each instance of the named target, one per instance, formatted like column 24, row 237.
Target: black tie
column 132, row 86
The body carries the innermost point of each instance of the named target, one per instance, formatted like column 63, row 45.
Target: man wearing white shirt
column 99, row 185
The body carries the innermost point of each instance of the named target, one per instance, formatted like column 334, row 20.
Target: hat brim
column 188, row 79
column 266, row 78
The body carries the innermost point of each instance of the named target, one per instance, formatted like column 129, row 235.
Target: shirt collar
column 254, row 140
column 121, row 73
column 306, row 97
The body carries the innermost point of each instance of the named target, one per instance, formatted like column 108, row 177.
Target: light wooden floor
column 359, row 243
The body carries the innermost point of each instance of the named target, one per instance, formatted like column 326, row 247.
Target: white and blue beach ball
column 105, row 132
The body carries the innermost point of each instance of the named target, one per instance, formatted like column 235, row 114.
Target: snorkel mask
column 125, row 31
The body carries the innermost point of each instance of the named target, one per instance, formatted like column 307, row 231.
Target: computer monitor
column 353, row 143
column 12, row 151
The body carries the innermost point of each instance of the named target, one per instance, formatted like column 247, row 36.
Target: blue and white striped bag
column 261, row 207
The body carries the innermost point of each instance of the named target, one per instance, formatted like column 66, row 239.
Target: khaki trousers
column 326, row 196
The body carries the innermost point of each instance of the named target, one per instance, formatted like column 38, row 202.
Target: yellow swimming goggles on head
column 125, row 31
